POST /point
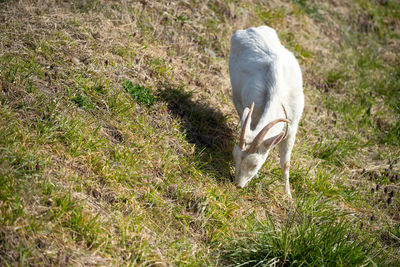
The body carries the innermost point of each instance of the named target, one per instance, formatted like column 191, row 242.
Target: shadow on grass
column 206, row 128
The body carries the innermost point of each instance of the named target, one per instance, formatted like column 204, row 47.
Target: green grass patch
column 333, row 152
column 310, row 7
column 302, row 240
column 83, row 102
column 271, row 17
column 392, row 235
column 139, row 93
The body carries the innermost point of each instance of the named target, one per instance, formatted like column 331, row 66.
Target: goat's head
column 249, row 157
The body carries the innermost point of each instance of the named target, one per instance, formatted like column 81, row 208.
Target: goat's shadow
column 206, row 128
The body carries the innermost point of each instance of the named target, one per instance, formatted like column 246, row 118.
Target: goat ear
column 271, row 142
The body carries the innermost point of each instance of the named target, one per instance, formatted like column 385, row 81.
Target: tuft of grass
column 310, row 7
column 139, row 93
column 304, row 240
column 333, row 152
column 270, row 16
column 83, row 102
column 391, row 235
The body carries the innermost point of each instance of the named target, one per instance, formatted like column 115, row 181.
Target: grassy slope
column 90, row 176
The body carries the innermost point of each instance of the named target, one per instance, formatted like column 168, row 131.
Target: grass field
column 117, row 126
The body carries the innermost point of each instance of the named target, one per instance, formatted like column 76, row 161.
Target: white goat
column 266, row 77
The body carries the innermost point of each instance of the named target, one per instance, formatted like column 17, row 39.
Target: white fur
column 266, row 73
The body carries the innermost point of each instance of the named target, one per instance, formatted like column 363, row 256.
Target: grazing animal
column 266, row 77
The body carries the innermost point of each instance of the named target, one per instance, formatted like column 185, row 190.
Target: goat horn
column 244, row 128
column 254, row 149
column 260, row 136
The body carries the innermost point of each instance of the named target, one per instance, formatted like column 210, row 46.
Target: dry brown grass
column 155, row 181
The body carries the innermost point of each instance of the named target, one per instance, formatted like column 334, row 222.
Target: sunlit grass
column 302, row 240
column 116, row 131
